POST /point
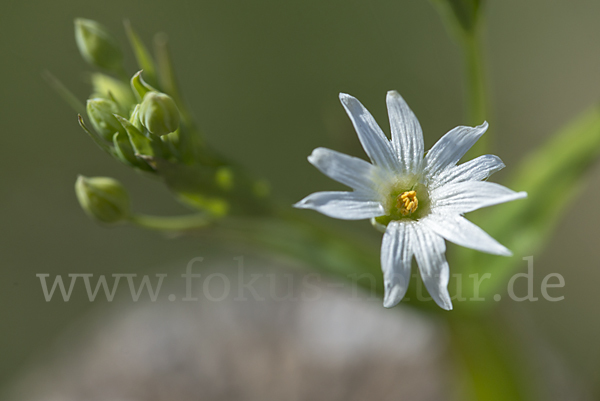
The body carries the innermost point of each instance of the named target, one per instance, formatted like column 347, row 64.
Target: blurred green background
column 262, row 79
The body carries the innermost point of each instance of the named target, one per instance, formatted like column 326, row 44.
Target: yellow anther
column 408, row 194
column 407, row 202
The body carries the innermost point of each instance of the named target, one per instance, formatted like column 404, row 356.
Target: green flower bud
column 103, row 198
column 113, row 89
column 101, row 114
column 158, row 113
column 97, row 46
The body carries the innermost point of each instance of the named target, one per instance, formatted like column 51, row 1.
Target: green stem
column 484, row 349
column 465, row 24
column 171, row 223
column 477, row 108
column 475, row 79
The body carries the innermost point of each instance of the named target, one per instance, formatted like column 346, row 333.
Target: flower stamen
column 407, row 203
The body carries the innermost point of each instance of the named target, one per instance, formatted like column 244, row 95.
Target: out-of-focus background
column 262, row 79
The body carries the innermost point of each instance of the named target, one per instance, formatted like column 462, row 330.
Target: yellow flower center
column 407, row 202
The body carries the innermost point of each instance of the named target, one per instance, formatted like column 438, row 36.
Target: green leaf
column 553, row 176
column 101, row 113
column 129, row 147
column 142, row 56
column 141, row 144
column 189, row 139
column 124, row 149
column 139, row 86
column 95, row 137
column 64, row 92
column 166, row 72
column 135, row 118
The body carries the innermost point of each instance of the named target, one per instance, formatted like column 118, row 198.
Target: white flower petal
column 407, row 135
column 451, row 147
column 351, row 171
column 396, row 257
column 429, row 249
column 461, row 231
column 478, row 169
column 372, row 138
column 464, row 197
column 342, row 205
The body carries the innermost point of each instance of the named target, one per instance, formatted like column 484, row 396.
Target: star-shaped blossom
column 416, row 199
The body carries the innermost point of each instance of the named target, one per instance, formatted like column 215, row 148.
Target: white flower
column 417, row 199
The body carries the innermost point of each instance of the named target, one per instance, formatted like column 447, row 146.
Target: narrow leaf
column 124, row 149
column 127, row 152
column 166, row 73
column 553, row 176
column 142, row 56
column 139, row 86
column 141, row 144
column 95, row 137
column 64, row 92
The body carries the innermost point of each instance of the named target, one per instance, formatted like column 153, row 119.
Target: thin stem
column 171, row 223
column 476, row 82
column 465, row 24
column 475, row 87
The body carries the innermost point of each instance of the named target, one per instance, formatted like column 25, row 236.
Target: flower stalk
column 477, row 106
column 171, row 224
column 465, row 23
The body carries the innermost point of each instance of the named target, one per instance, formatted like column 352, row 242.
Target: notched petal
column 407, row 135
column 451, row 148
column 464, row 197
column 430, row 251
column 342, row 205
column 396, row 257
column 372, row 138
column 478, row 169
column 348, row 170
column 462, row 232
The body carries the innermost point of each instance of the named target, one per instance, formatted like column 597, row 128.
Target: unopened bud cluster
column 138, row 120
column 133, row 118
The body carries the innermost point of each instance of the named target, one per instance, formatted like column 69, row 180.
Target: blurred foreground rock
column 331, row 346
